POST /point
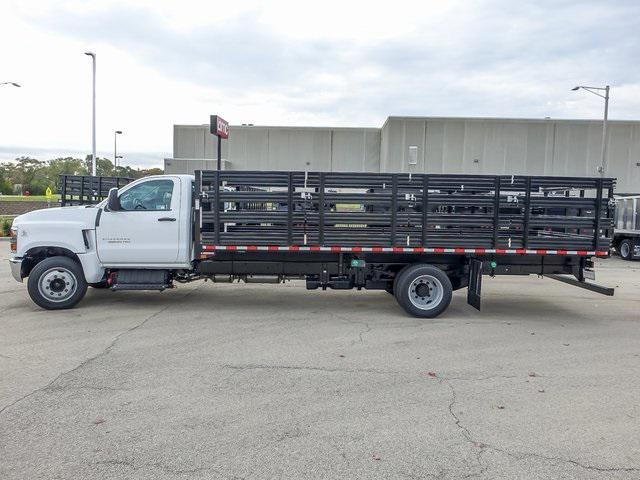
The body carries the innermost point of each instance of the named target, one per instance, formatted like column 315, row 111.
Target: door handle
column 166, row 219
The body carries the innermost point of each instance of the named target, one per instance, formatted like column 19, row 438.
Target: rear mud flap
column 475, row 283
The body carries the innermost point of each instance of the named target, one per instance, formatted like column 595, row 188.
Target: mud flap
column 475, row 283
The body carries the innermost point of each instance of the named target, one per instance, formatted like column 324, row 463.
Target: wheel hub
column 57, row 284
column 422, row 290
column 426, row 292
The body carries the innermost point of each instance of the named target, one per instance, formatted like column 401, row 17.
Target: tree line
column 35, row 176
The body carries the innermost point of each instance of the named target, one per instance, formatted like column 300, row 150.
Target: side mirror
column 113, row 202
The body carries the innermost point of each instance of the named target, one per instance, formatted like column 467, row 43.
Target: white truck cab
column 62, row 250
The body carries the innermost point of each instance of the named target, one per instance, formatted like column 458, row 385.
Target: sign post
column 220, row 128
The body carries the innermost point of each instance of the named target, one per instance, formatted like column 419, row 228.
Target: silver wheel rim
column 57, row 284
column 624, row 249
column 425, row 292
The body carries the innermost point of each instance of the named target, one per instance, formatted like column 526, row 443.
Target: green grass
column 30, row 198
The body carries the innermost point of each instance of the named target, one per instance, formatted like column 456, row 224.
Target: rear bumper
column 16, row 268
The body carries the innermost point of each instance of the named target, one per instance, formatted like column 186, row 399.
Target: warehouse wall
column 511, row 146
column 282, row 148
column 424, row 144
column 188, row 165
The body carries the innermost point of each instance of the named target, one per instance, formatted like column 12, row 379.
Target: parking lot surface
column 272, row 381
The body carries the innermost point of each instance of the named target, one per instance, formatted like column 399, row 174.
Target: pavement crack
column 465, row 432
column 361, row 333
column 586, row 466
column 158, row 466
column 127, row 463
column 100, row 354
column 481, row 379
column 306, row 368
column 482, row 446
column 90, row 387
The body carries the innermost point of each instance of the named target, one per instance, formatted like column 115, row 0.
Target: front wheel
column 57, row 283
column 423, row 290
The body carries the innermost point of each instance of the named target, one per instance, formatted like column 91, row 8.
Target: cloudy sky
column 336, row 63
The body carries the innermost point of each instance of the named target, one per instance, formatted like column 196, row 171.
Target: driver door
column 146, row 229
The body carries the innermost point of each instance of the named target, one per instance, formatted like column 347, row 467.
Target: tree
column 36, row 176
column 128, row 172
column 27, row 172
column 104, row 167
column 62, row 166
column 145, row 172
column 5, row 184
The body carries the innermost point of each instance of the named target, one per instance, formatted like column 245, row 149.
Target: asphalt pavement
column 273, row 381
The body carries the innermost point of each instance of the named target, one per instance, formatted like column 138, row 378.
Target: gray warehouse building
column 422, row 145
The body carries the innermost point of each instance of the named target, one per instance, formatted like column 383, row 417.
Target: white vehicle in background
column 626, row 236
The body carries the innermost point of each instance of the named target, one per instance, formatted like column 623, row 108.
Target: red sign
column 219, row 126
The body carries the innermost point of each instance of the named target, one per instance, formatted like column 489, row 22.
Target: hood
column 80, row 214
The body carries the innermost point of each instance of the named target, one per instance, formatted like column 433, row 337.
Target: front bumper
column 16, row 268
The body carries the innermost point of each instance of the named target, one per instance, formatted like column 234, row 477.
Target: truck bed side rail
column 413, row 212
column 86, row 189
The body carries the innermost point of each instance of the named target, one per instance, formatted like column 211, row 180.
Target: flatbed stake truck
column 626, row 236
column 417, row 236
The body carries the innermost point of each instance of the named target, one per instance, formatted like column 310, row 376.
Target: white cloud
column 303, row 63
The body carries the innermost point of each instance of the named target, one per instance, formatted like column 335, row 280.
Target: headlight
column 13, row 241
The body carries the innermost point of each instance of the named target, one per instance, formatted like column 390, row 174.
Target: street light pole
column 604, row 131
column 115, row 148
column 595, row 90
column 93, row 129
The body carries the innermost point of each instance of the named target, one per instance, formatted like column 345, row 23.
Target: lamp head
column 15, row 84
column 575, row 88
column 119, row 132
column 91, row 54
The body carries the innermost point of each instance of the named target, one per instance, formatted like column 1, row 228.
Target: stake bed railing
column 86, row 189
column 241, row 208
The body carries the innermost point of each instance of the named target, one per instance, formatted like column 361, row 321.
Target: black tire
column 53, row 275
column 395, row 280
column 432, row 281
column 625, row 249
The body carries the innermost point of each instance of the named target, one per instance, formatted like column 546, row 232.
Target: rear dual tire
column 626, row 249
column 57, row 283
column 422, row 290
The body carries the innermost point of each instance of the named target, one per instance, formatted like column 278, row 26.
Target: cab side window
column 149, row 196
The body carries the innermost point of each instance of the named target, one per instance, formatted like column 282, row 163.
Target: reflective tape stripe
column 456, row 250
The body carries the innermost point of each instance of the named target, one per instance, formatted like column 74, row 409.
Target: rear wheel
column 423, row 290
column 57, row 283
column 395, row 281
column 626, row 249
